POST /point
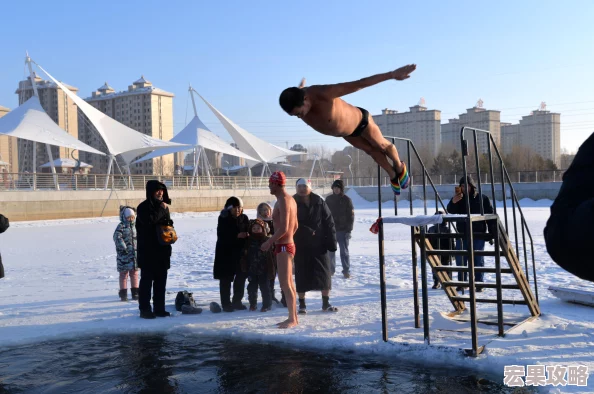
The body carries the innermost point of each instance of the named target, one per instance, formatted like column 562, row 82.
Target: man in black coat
column 568, row 233
column 343, row 214
column 441, row 244
column 153, row 257
column 315, row 236
column 457, row 205
column 4, row 224
column 232, row 232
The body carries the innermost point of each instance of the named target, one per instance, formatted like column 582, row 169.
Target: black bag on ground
column 184, row 298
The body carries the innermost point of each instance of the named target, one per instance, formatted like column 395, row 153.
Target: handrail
column 514, row 198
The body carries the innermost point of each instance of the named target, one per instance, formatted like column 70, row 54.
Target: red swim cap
column 278, row 177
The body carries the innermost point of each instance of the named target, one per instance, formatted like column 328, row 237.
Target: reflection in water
column 175, row 363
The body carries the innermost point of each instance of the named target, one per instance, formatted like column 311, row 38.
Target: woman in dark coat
column 315, row 236
column 232, row 232
column 154, row 259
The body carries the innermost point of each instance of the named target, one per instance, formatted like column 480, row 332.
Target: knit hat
column 470, row 181
column 303, row 181
column 129, row 212
column 260, row 223
column 233, row 202
column 338, row 183
column 278, row 178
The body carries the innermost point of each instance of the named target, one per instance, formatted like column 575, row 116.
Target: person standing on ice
column 125, row 242
column 264, row 211
column 568, row 233
column 232, row 231
column 258, row 265
column 154, row 259
column 4, row 224
column 315, row 236
column 343, row 214
column 457, row 205
column 284, row 217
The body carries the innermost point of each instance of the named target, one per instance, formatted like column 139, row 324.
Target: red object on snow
column 375, row 226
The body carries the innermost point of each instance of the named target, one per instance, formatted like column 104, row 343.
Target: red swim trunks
column 289, row 248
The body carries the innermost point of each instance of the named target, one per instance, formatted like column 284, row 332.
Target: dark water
column 176, row 363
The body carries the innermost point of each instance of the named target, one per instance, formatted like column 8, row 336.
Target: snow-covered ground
column 61, row 281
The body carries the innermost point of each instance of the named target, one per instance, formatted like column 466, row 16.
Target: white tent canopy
column 119, row 139
column 66, row 163
column 249, row 143
column 196, row 134
column 30, row 122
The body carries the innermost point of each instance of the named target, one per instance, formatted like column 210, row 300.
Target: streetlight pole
column 227, row 168
column 350, row 170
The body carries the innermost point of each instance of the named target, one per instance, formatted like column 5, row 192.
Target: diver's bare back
column 285, row 206
column 331, row 116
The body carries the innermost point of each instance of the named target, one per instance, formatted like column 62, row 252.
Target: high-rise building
column 142, row 107
column 9, row 148
column 214, row 159
column 510, row 137
column 476, row 117
column 540, row 132
column 60, row 108
column 420, row 125
column 232, row 161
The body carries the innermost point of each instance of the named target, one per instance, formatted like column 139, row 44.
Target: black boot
column 147, row 314
column 124, row 295
column 134, row 292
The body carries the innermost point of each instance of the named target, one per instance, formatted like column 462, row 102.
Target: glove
column 375, row 226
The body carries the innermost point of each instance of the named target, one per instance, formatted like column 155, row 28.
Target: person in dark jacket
column 457, row 205
column 264, row 212
column 441, row 244
column 259, row 265
column 568, row 232
column 4, row 224
column 315, row 236
column 232, row 231
column 343, row 214
column 154, row 259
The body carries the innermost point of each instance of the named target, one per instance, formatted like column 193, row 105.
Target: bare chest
column 335, row 118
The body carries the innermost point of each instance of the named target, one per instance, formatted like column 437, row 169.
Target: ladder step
column 441, row 252
column 448, row 268
column 481, row 285
column 485, row 237
column 491, row 301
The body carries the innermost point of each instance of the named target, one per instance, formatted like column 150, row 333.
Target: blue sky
column 240, row 55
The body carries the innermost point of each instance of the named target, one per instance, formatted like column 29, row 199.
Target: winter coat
column 315, row 236
column 125, row 242
column 342, row 210
column 149, row 215
column 4, row 224
column 479, row 227
column 441, row 243
column 229, row 248
column 255, row 262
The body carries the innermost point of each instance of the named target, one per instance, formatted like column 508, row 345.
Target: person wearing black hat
column 343, row 213
column 154, row 259
column 232, row 231
column 4, row 224
column 457, row 205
